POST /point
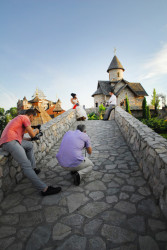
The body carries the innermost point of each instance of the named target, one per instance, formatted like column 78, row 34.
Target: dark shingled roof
column 115, row 64
column 104, row 88
column 136, row 88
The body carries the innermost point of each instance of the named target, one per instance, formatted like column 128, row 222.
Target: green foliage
column 127, row 106
column 164, row 135
column 2, row 111
column 101, row 111
column 158, row 125
column 93, row 116
column 6, row 117
column 155, row 100
column 101, row 108
column 148, row 113
column 144, row 108
column 12, row 111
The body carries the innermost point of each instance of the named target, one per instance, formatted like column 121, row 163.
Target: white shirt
column 113, row 100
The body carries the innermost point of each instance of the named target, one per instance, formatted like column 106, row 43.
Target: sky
column 66, row 46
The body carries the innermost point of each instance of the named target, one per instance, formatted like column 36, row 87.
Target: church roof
column 103, row 88
column 137, row 88
column 35, row 99
column 43, row 118
column 115, row 64
column 58, row 107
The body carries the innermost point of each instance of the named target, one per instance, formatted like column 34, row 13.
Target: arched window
column 118, row 74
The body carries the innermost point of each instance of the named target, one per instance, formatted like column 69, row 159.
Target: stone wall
column 10, row 171
column 115, row 74
column 150, row 151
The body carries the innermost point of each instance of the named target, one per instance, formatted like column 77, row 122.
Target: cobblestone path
column 112, row 209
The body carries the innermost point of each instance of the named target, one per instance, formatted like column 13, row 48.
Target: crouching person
column 70, row 155
column 22, row 149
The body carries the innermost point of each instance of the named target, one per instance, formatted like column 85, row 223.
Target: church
column 120, row 87
column 45, row 109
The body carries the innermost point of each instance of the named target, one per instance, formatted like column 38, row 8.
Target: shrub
column 101, row 111
column 93, row 116
column 158, row 125
column 148, row 113
column 144, row 108
column 127, row 106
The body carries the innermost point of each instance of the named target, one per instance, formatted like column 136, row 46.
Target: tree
column 155, row 100
column 6, row 117
column 127, row 105
column 148, row 113
column 12, row 111
column 144, row 108
column 101, row 111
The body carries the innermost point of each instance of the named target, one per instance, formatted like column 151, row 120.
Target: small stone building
column 120, row 87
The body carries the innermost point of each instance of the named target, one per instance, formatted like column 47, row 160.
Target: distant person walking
column 70, row 155
column 112, row 103
column 21, row 149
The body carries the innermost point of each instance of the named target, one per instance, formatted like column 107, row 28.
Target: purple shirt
column 70, row 152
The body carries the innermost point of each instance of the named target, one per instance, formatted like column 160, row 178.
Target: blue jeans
column 24, row 155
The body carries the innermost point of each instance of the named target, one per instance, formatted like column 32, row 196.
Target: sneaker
column 37, row 170
column 51, row 190
column 76, row 179
column 73, row 172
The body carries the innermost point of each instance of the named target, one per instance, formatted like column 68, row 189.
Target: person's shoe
column 76, row 179
column 37, row 170
column 73, row 172
column 51, row 190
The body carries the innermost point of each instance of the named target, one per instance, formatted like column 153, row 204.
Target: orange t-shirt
column 15, row 129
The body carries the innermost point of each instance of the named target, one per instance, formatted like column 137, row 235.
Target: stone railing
column 10, row 171
column 150, row 151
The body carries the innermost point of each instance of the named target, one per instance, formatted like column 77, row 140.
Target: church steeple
column 115, row 69
column 115, row 64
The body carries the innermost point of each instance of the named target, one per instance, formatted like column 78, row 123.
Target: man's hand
column 32, row 133
column 89, row 150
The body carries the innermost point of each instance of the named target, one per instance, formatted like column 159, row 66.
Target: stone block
column 158, row 190
column 19, row 177
column 12, row 172
column 14, row 163
column 163, row 177
column 3, row 160
column 163, row 206
column 1, row 195
column 1, row 172
column 5, row 170
column 6, row 183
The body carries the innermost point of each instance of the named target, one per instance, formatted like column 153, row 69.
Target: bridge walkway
column 112, row 209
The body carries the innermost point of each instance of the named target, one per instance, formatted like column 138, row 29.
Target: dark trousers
column 108, row 112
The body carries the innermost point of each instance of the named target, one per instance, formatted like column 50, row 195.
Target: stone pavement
column 112, row 209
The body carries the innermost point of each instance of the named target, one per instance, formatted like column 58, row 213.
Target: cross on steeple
column 115, row 51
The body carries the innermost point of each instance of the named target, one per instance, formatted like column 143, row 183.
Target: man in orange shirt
column 21, row 149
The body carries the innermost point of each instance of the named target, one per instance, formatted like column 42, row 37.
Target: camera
column 37, row 137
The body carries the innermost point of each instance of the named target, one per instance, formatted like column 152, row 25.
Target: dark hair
column 73, row 95
column 30, row 112
column 81, row 127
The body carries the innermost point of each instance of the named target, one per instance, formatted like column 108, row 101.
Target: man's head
column 81, row 127
column 111, row 93
column 30, row 113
